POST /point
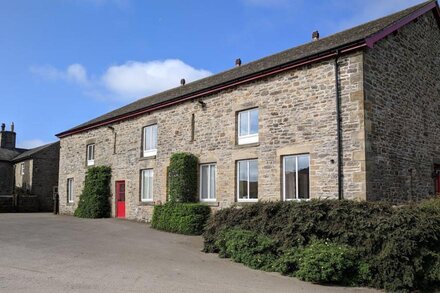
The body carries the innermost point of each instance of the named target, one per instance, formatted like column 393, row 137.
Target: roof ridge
column 350, row 38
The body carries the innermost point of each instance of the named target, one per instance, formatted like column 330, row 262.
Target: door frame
column 117, row 183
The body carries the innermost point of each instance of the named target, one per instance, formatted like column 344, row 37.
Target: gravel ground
column 48, row 253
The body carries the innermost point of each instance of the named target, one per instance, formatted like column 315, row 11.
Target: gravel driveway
column 47, row 253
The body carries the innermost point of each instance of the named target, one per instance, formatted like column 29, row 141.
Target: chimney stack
column 315, row 35
column 7, row 138
column 238, row 62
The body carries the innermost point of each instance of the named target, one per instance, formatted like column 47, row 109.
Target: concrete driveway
column 47, row 253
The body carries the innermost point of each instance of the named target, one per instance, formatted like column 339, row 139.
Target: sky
column 64, row 62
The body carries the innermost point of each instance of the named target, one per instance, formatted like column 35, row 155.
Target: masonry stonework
column 402, row 103
column 297, row 115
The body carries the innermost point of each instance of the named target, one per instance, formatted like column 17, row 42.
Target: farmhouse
column 28, row 178
column 355, row 115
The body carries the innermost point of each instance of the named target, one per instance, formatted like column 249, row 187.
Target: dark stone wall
column 402, row 102
column 6, row 178
column 45, row 176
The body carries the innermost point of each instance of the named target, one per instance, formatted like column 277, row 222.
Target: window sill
column 70, row 204
column 210, row 203
column 146, row 203
column 147, row 158
column 245, row 203
column 248, row 145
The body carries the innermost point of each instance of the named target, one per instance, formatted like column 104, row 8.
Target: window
column 296, row 177
column 150, row 140
column 207, row 182
column 248, row 126
column 22, row 169
column 147, row 185
column 90, row 154
column 70, row 190
column 247, row 180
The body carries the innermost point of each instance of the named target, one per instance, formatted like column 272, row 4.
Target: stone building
column 355, row 115
column 27, row 177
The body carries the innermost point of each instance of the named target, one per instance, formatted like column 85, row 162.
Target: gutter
column 218, row 88
column 338, row 128
column 367, row 42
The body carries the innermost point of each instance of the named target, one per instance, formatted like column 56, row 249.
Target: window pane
column 253, row 179
column 144, row 185
column 290, row 177
column 254, row 121
column 244, row 125
column 242, row 180
column 212, row 182
column 303, row 177
column 150, row 185
column 154, row 137
column 204, row 180
column 147, row 135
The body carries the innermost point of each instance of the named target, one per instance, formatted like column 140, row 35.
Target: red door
column 120, row 199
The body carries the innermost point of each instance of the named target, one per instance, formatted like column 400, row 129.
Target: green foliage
column 94, row 201
column 182, row 177
column 250, row 248
column 183, row 218
column 325, row 262
column 398, row 248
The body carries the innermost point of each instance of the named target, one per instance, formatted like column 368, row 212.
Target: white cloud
column 146, row 78
column 32, row 143
column 128, row 81
column 74, row 73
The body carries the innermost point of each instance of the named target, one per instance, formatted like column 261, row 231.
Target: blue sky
column 67, row 61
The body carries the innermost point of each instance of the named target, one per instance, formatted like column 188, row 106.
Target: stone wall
column 23, row 180
column 7, row 178
column 45, row 173
column 403, row 112
column 297, row 115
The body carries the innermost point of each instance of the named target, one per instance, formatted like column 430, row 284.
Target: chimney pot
column 315, row 35
column 3, row 126
column 182, row 81
column 12, row 127
column 238, row 62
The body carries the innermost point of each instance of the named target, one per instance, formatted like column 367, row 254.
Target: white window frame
column 248, row 138
column 153, row 151
column 296, row 183
column 209, row 198
column 151, row 198
column 22, row 169
column 248, row 181
column 90, row 150
column 70, row 190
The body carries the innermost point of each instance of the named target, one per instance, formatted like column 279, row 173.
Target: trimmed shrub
column 183, row 218
column 398, row 248
column 182, row 177
column 94, row 201
column 296, row 224
column 325, row 262
column 250, row 248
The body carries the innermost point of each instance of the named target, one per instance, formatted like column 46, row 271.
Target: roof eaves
column 238, row 81
column 371, row 40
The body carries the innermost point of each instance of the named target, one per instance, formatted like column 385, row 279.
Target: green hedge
column 397, row 248
column 94, row 201
column 182, row 178
column 183, row 218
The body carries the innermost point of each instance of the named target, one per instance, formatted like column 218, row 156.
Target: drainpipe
column 338, row 127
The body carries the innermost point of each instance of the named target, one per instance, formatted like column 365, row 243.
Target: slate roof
column 30, row 153
column 339, row 40
column 8, row 155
